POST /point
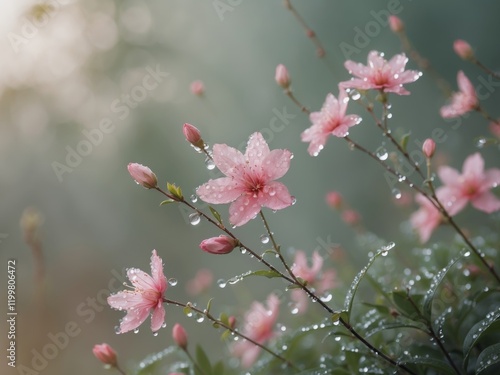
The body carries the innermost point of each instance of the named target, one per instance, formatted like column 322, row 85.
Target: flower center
column 380, row 78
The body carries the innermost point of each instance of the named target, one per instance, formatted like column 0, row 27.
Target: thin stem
column 486, row 115
column 303, row 108
column 118, row 368
column 234, row 331
column 195, row 364
column 432, row 334
column 485, row 68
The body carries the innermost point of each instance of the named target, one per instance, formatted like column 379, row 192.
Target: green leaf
column 224, row 319
column 404, row 305
column 355, row 284
column 488, row 357
column 209, row 305
column 219, row 368
column 394, row 325
column 477, row 331
column 175, row 191
column 267, row 273
column 215, row 214
column 404, row 140
column 202, row 361
column 148, row 364
column 225, row 335
column 436, row 281
column 443, row 368
column 166, row 201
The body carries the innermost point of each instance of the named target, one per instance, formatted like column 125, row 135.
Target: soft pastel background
column 62, row 79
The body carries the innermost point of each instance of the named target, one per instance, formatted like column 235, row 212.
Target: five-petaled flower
column 380, row 74
column 259, row 325
column 145, row 298
column 427, row 217
column 472, row 185
column 462, row 101
column 250, row 179
column 331, row 120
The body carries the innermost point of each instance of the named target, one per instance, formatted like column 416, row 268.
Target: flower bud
column 142, row 175
column 180, row 336
column 232, row 321
column 105, row 354
column 495, row 128
column 193, row 135
column 282, row 78
column 219, row 245
column 350, row 217
column 197, row 88
column 334, row 199
column 429, row 147
column 396, row 24
column 463, row 49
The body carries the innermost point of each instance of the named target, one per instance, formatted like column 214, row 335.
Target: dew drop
column 354, row 94
column 200, row 318
column 294, row 200
column 194, row 198
column 136, row 330
column 163, row 325
column 117, row 330
column 194, row 218
column 172, row 281
column 155, row 334
column 382, row 153
column 264, row 238
column 481, row 142
column 222, row 283
column 396, row 193
column 209, row 163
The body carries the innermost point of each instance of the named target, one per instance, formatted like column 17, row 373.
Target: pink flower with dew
column 320, row 281
column 427, row 218
column 462, row 101
column 380, row 74
column 250, row 183
column 146, row 297
column 258, row 326
column 472, row 185
column 197, row 88
column 201, row 282
column 331, row 120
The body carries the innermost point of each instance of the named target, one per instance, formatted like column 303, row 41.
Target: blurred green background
column 65, row 68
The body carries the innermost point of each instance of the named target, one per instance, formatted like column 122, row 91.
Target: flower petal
column 157, row 273
column 275, row 196
column 486, row 202
column 133, row 319
column 257, row 149
column 140, row 279
column 243, row 209
column 276, row 164
column 158, row 317
column 220, row 191
column 227, row 159
column 465, row 85
column 492, row 177
column 127, row 299
column 452, row 201
column 473, row 165
column 448, row 175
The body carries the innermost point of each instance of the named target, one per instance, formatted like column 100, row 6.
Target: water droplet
column 294, row 200
column 354, row 94
column 382, row 153
column 264, row 238
column 172, row 281
column 163, row 325
column 117, row 330
column 194, row 198
column 222, row 283
column 481, row 142
column 155, row 334
column 136, row 330
column 396, row 193
column 194, row 218
column 200, row 318
column 243, row 250
column 209, row 163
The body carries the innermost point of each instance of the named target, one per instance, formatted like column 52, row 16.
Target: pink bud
column 142, row 175
column 350, row 217
column 282, row 78
column 495, row 128
column 396, row 24
column 197, row 88
column 105, row 354
column 219, row 245
column 429, row 147
column 334, row 199
column 463, row 49
column 193, row 135
column 180, row 336
column 232, row 321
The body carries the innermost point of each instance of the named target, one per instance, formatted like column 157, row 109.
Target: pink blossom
column 180, row 336
column 259, row 324
column 105, row 354
column 219, row 245
column 463, row 49
column 331, row 120
column 250, row 179
column 145, row 298
column 462, row 101
column 380, row 74
column 472, row 185
column 427, row 218
column 201, row 282
column 197, row 88
column 320, row 281
column 142, row 175
column 334, row 199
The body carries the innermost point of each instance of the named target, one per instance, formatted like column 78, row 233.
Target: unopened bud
column 396, row 24
column 193, row 135
column 219, row 245
column 105, row 354
column 143, row 175
column 463, row 49
column 429, row 147
column 180, row 336
column 334, row 199
column 282, row 78
column 197, row 88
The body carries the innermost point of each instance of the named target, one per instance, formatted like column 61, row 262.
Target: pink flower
column 463, row 101
column 180, row 336
column 250, row 179
column 331, row 120
column 219, row 245
column 142, row 175
column 396, row 24
column 427, row 218
column 145, row 298
column 380, row 74
column 429, row 147
column 281, row 76
column 197, row 88
column 193, row 135
column 201, row 282
column 472, row 185
column 259, row 323
column 334, row 199
column 463, row 49
column 350, row 217
column 320, row 281
column 105, row 354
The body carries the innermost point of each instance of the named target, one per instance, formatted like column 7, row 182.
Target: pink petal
column 158, row 317
column 276, row 164
column 157, row 273
column 408, row 76
column 300, row 299
column 220, row 191
column 133, row 319
column 357, row 69
column 257, row 148
column 473, row 165
column 375, row 61
column 127, row 299
column 451, row 200
column 492, row 177
column 317, row 263
column 356, row 83
column 276, row 197
column 250, row 355
column 273, row 303
column 398, row 63
column 316, row 137
column 227, row 159
column 243, row 209
column 448, row 175
column 486, row 202
column 140, row 279
column 465, row 85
